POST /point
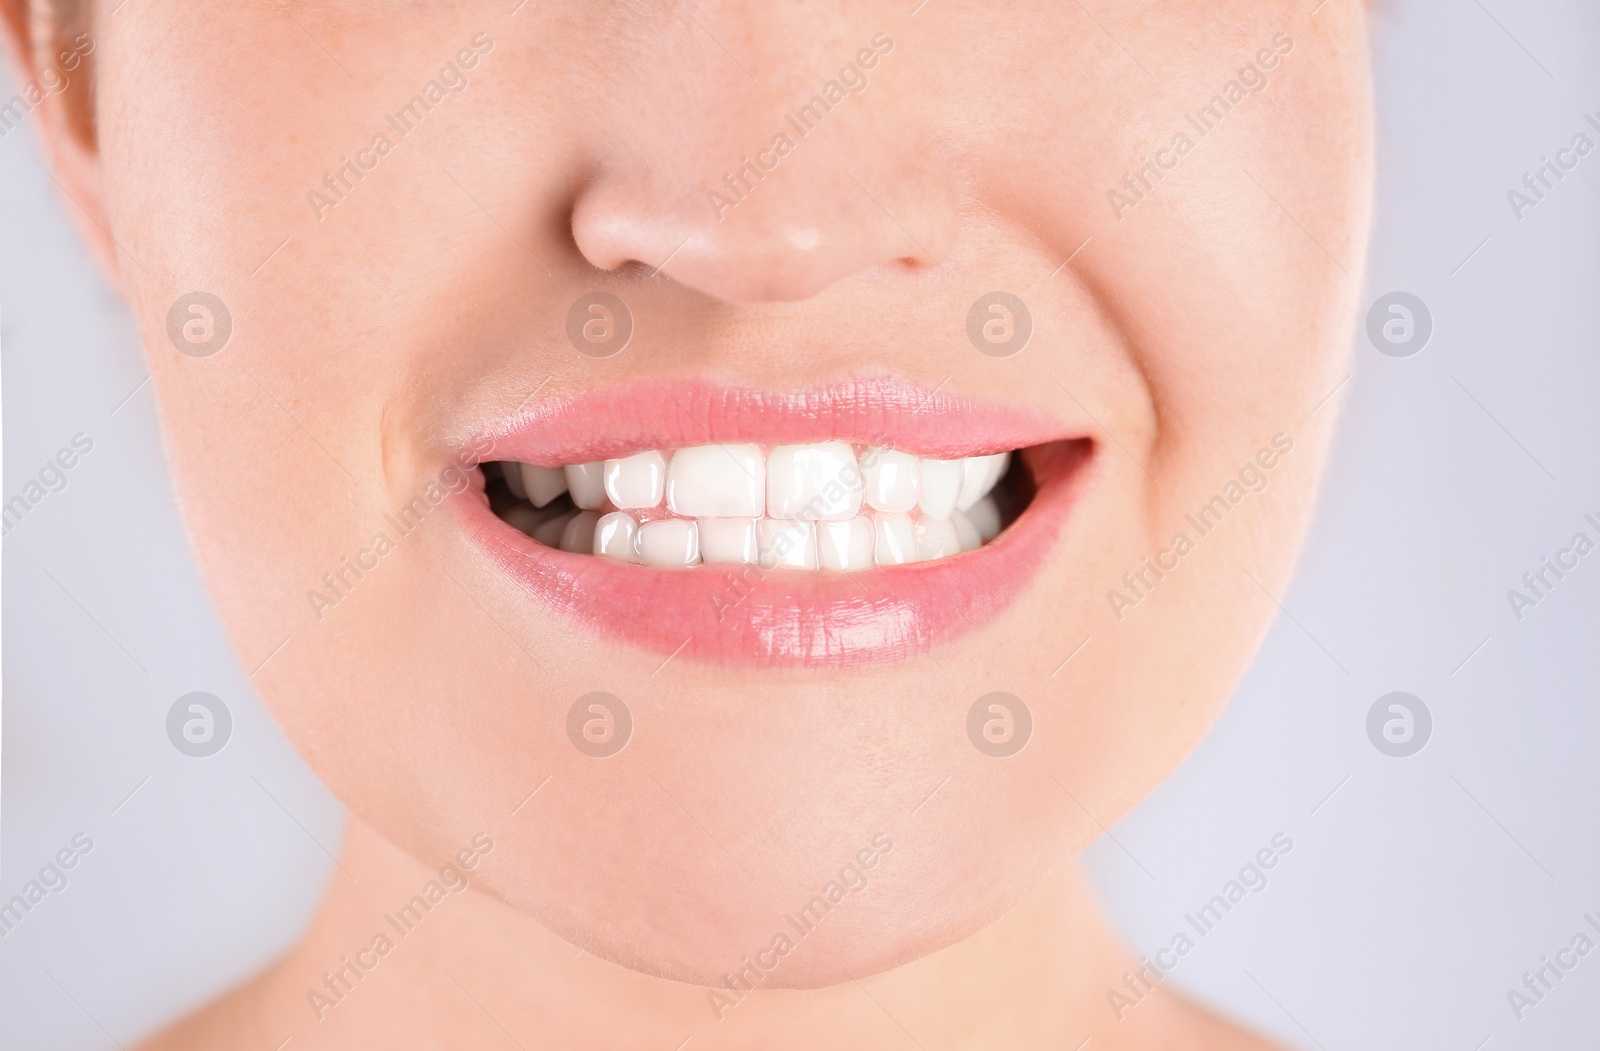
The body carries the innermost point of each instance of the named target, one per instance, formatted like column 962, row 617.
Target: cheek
column 283, row 439
column 1250, row 217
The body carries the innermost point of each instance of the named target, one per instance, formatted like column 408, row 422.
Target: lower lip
column 744, row 615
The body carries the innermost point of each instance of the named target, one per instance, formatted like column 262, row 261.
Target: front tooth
column 941, row 484
column 587, row 483
column 512, row 473
column 787, row 542
column 895, row 541
column 985, row 515
column 979, row 474
column 967, row 534
column 844, row 546
column 728, row 540
column 579, row 534
column 936, row 538
column 1001, row 463
column 717, row 481
column 543, row 484
column 614, row 536
column 816, row 482
column 637, row 480
column 891, row 480
column 669, row 542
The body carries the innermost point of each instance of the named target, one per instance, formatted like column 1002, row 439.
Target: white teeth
column 795, row 506
column 979, row 474
column 814, row 482
column 579, row 534
column 636, row 481
column 669, row 542
column 892, row 480
column 936, row 538
column 728, row 540
column 512, row 473
column 788, row 543
column 941, row 484
column 717, row 481
column 1000, row 463
column 614, row 536
column 543, row 484
column 895, row 542
column 587, row 483
column 549, row 531
column 985, row 516
column 845, row 545
column 967, row 534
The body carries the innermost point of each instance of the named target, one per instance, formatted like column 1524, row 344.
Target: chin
column 893, row 899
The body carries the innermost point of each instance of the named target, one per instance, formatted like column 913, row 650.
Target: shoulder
column 1167, row 1020
column 234, row 1020
column 1209, row 1031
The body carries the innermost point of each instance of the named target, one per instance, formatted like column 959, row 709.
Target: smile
column 829, row 506
column 857, row 524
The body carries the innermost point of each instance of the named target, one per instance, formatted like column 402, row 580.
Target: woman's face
column 431, row 225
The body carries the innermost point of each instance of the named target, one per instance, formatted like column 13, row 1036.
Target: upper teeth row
column 825, row 482
column 806, row 506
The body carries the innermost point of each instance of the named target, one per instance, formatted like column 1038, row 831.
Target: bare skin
column 1192, row 265
column 477, row 974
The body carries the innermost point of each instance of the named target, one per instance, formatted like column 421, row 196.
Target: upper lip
column 656, row 414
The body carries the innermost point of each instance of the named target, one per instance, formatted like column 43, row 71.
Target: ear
column 50, row 48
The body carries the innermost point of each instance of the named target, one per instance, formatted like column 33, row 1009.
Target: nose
column 750, row 194
column 775, row 236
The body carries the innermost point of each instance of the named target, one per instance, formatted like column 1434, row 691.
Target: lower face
column 784, row 542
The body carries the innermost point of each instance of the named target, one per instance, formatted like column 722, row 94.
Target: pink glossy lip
column 747, row 615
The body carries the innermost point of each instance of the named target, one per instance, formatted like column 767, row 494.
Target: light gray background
column 1418, row 890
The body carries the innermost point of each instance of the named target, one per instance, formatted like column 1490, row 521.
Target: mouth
column 857, row 524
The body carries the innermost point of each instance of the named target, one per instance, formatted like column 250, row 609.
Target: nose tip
column 785, row 237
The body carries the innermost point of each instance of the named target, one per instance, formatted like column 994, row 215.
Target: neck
column 472, row 971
